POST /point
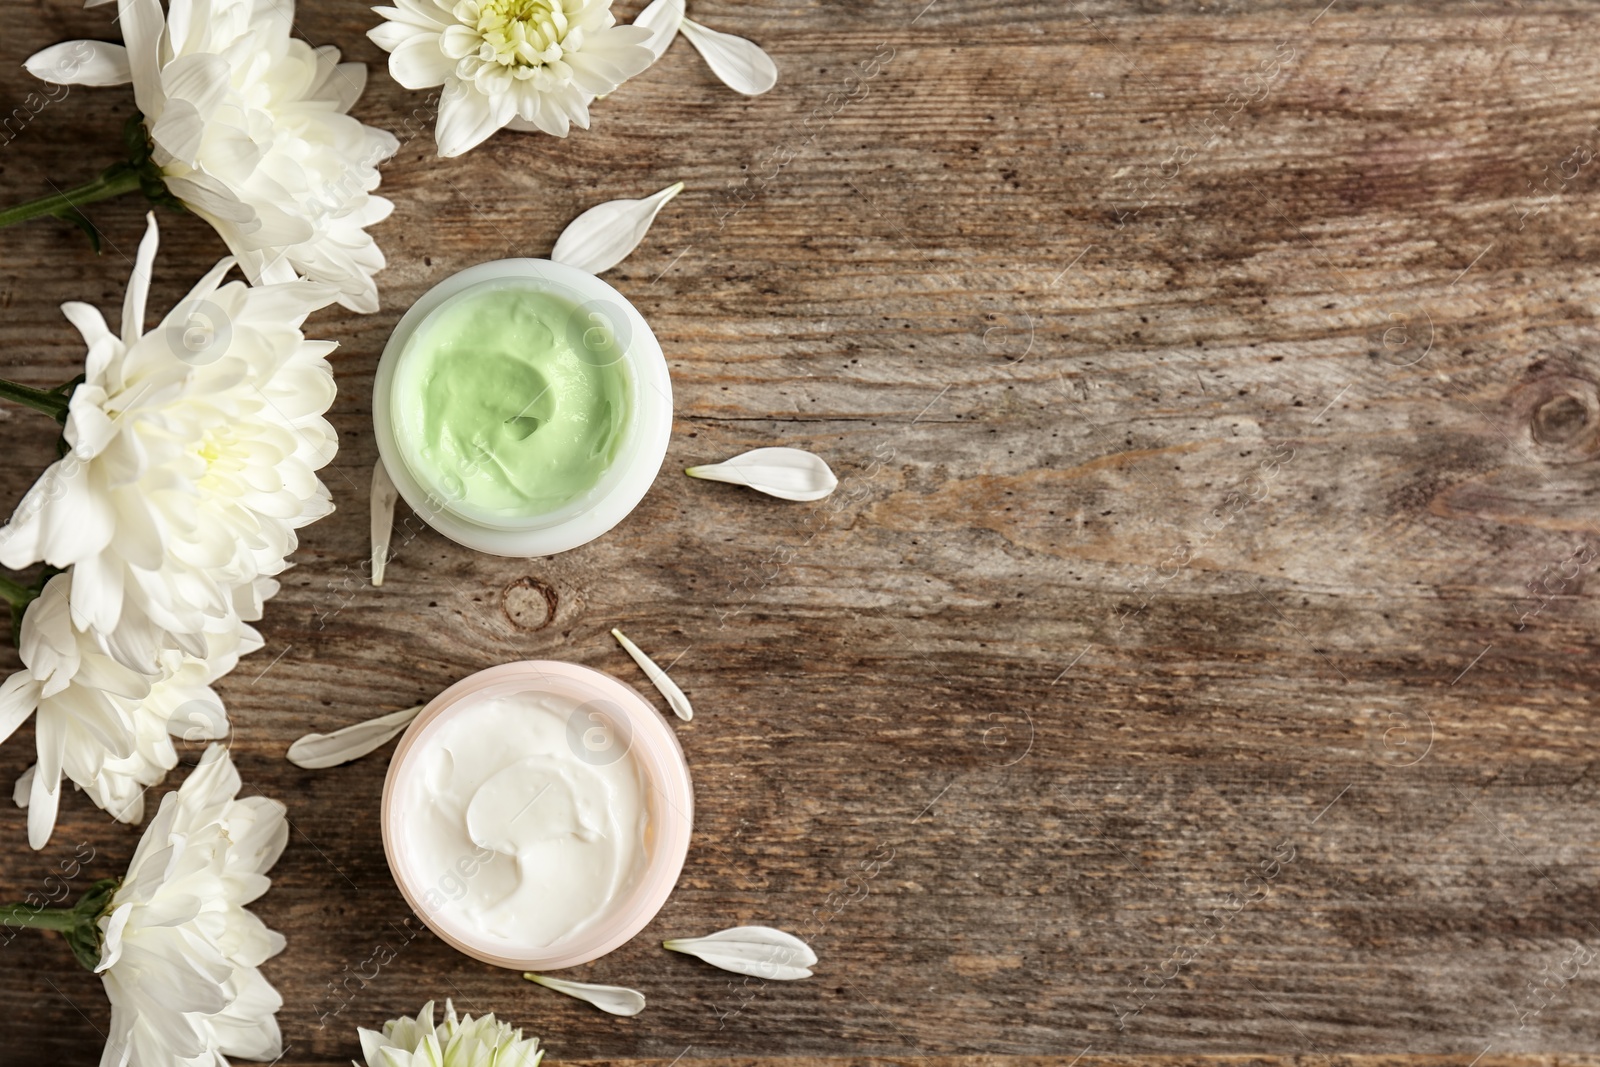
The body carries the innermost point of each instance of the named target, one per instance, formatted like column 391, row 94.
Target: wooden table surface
column 1195, row 659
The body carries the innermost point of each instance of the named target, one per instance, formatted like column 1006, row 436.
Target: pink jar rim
column 650, row 740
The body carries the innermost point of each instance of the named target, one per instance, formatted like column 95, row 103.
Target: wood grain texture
column 1199, row 639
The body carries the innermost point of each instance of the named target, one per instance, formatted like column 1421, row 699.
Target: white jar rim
column 645, row 735
column 643, row 447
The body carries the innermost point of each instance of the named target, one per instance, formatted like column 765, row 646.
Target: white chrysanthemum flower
column 194, row 452
column 468, row 1042
column 181, row 704
column 81, row 697
column 180, row 954
column 517, row 64
column 104, row 727
column 249, row 129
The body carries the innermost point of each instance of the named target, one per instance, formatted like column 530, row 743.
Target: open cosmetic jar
column 536, row 815
column 522, row 407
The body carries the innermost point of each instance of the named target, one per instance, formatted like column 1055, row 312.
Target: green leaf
column 81, row 221
column 66, row 388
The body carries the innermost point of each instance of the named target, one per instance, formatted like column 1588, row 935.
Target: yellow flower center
column 223, row 451
column 522, row 32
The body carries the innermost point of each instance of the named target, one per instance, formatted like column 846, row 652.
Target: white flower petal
column 372, row 1044
column 139, row 283
column 422, row 14
column 346, row 82
column 142, row 25
column 658, row 677
column 99, row 580
column 661, row 18
column 111, row 945
column 90, row 324
column 603, row 236
column 392, row 34
column 19, row 696
column 466, row 119
column 81, row 63
column 741, row 64
column 786, row 473
column 201, row 79
column 318, row 751
column 612, row 999
column 384, row 497
column 459, row 42
column 24, row 786
column 417, row 62
column 549, row 117
column 104, row 674
column 179, row 132
column 44, row 797
column 91, row 429
column 760, row 951
column 595, row 75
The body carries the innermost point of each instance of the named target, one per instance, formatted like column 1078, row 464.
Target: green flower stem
column 61, row 919
column 50, row 402
column 15, row 593
column 78, row 925
column 119, row 179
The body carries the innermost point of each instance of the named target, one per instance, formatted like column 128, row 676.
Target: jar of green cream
column 522, row 407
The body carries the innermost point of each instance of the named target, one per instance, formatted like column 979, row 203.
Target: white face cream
column 522, row 823
column 536, row 815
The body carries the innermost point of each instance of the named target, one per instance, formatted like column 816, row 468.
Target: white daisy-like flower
column 181, row 704
column 248, row 128
column 81, row 697
column 102, row 726
column 466, row 1042
column 514, row 64
column 193, row 460
column 180, row 955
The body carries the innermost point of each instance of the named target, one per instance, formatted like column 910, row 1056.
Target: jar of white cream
column 522, row 407
column 536, row 815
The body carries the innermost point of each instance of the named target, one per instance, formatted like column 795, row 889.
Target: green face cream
column 508, row 402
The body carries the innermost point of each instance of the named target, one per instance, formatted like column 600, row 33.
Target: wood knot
column 1562, row 414
column 1560, row 420
column 529, row 604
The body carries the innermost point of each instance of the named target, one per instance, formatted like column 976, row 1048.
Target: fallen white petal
column 760, row 951
column 608, row 998
column 741, row 64
column 384, row 495
column 317, row 751
column 786, row 473
column 661, row 18
column 658, row 677
column 603, row 236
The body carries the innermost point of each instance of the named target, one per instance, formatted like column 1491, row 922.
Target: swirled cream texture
column 510, row 401
column 519, row 828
